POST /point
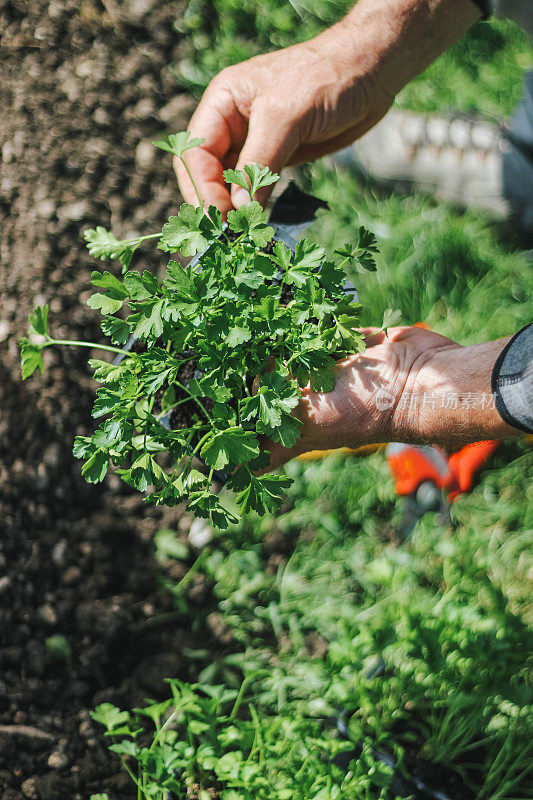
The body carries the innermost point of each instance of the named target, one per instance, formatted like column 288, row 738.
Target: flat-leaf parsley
column 221, row 350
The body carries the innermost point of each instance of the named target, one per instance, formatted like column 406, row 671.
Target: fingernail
column 240, row 197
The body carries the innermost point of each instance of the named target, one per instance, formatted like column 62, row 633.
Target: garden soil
column 84, row 89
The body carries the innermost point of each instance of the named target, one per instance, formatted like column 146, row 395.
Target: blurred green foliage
column 317, row 596
column 481, row 73
column 465, row 277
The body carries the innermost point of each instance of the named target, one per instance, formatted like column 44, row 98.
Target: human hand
column 311, row 99
column 411, row 385
column 278, row 109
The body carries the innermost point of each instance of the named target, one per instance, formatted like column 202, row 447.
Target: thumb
column 269, row 144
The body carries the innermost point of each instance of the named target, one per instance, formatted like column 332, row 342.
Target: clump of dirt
column 85, row 88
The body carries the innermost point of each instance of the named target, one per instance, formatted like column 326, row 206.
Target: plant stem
column 244, row 685
column 200, row 443
column 239, row 239
column 193, row 182
column 184, row 388
column 163, row 726
column 343, row 262
column 130, row 772
column 191, row 572
column 92, row 345
column 166, row 411
column 198, row 446
column 143, row 238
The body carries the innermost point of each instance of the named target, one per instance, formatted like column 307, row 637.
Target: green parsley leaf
column 238, row 334
column 109, row 716
column 260, row 494
column 205, row 504
column 344, row 336
column 238, row 177
column 178, row 143
column 140, row 287
column 141, row 472
column 251, row 220
column 148, row 323
column 103, row 244
column 110, row 301
column 125, row 748
column 108, row 398
column 245, row 274
column 39, row 320
column 363, row 252
column 107, row 434
column 95, row 468
column 83, row 445
column 31, row 358
column 178, row 279
column 188, row 232
column 314, row 367
column 282, row 256
column 391, row 318
column 117, row 330
column 271, row 409
column 331, row 278
column 231, row 446
column 307, row 259
column 253, row 177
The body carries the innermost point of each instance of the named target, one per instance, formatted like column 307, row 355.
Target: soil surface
column 84, row 89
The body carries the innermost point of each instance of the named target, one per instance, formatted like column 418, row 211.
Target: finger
column 222, row 127
column 270, row 143
column 207, row 171
column 278, row 455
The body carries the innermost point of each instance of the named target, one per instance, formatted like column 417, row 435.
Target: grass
column 482, row 73
column 434, row 264
column 426, row 645
column 448, row 615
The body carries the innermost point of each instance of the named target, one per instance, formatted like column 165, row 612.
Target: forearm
column 448, row 398
column 392, row 41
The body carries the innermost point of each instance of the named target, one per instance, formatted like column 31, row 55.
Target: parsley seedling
column 250, row 308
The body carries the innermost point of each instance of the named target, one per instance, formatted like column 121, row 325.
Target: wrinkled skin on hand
column 373, row 396
column 280, row 109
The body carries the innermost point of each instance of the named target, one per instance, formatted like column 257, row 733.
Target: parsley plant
column 187, row 388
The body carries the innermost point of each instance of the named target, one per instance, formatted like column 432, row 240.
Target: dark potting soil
column 82, row 96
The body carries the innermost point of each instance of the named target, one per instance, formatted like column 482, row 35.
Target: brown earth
column 84, row 89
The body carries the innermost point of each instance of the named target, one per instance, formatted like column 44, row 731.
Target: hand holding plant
column 250, row 308
column 410, row 385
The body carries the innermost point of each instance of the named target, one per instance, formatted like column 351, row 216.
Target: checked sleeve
column 512, row 381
